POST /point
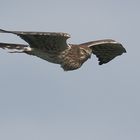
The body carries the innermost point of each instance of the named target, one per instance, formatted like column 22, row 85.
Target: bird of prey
column 53, row 47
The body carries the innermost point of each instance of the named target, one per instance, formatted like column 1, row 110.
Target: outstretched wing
column 106, row 49
column 46, row 41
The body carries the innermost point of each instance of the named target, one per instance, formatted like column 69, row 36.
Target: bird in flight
column 53, row 47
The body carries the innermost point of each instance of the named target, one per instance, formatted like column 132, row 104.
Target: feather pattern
column 53, row 47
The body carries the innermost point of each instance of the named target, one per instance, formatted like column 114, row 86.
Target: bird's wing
column 106, row 49
column 46, row 41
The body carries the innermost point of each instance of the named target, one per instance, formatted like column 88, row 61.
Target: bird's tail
column 14, row 47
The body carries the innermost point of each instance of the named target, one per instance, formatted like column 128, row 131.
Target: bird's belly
column 53, row 58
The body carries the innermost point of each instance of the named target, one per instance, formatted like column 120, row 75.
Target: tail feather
column 13, row 47
column 19, row 47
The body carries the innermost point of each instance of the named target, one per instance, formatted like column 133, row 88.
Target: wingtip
column 123, row 49
column 4, row 31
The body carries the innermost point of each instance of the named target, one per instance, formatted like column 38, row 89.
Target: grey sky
column 38, row 100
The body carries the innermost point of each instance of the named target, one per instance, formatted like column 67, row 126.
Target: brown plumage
column 53, row 47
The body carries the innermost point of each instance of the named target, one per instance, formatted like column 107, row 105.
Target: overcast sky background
column 39, row 101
